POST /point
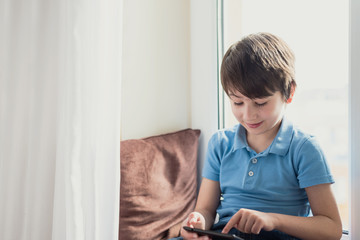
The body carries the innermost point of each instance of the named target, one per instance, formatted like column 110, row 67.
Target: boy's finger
column 204, row 238
column 232, row 222
column 192, row 215
column 256, row 228
column 193, row 220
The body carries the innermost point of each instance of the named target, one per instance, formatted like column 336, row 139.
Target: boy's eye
column 261, row 104
column 238, row 103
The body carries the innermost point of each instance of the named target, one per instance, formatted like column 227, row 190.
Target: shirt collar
column 240, row 138
column 280, row 144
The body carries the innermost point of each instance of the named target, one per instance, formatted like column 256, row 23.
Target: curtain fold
column 60, row 72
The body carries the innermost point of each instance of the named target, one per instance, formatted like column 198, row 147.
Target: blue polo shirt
column 270, row 181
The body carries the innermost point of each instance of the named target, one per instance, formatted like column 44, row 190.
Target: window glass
column 317, row 32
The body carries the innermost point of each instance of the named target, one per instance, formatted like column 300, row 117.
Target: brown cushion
column 158, row 184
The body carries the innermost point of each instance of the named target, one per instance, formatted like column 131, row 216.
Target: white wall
column 156, row 93
column 169, row 69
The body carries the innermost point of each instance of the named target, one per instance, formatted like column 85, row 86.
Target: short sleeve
column 211, row 169
column 312, row 166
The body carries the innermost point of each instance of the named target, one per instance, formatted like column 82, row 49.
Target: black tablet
column 214, row 235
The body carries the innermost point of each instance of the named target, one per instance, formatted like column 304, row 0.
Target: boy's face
column 258, row 116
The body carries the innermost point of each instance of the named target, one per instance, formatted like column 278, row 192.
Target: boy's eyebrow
column 232, row 94
column 240, row 97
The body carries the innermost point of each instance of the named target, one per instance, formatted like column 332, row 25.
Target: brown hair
column 258, row 66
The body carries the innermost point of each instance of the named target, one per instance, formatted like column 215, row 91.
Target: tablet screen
column 214, row 235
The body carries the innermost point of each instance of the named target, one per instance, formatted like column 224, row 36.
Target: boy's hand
column 251, row 221
column 195, row 220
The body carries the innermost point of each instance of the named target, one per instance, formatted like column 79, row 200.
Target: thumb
column 193, row 218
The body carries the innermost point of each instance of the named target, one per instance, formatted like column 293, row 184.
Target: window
column 317, row 32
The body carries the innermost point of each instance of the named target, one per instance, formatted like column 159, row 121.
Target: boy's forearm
column 209, row 217
column 317, row 227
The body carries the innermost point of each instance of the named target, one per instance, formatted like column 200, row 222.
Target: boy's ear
column 289, row 100
column 292, row 91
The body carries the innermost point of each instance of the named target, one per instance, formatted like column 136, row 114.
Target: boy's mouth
column 254, row 125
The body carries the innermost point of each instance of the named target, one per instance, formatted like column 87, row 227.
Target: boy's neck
column 261, row 142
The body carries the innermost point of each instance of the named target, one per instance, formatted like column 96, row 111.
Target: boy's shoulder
column 225, row 139
column 304, row 141
column 226, row 133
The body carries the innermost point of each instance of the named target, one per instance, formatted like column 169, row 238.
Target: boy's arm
column 208, row 200
column 325, row 223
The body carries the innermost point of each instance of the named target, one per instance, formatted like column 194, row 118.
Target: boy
column 261, row 177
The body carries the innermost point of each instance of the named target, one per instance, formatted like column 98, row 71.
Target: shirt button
column 254, row 160
column 251, row 173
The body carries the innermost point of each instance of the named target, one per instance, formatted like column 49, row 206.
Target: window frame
column 354, row 117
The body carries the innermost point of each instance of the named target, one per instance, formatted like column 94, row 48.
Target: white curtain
column 60, row 119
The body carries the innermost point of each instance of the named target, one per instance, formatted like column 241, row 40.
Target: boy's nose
column 249, row 113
